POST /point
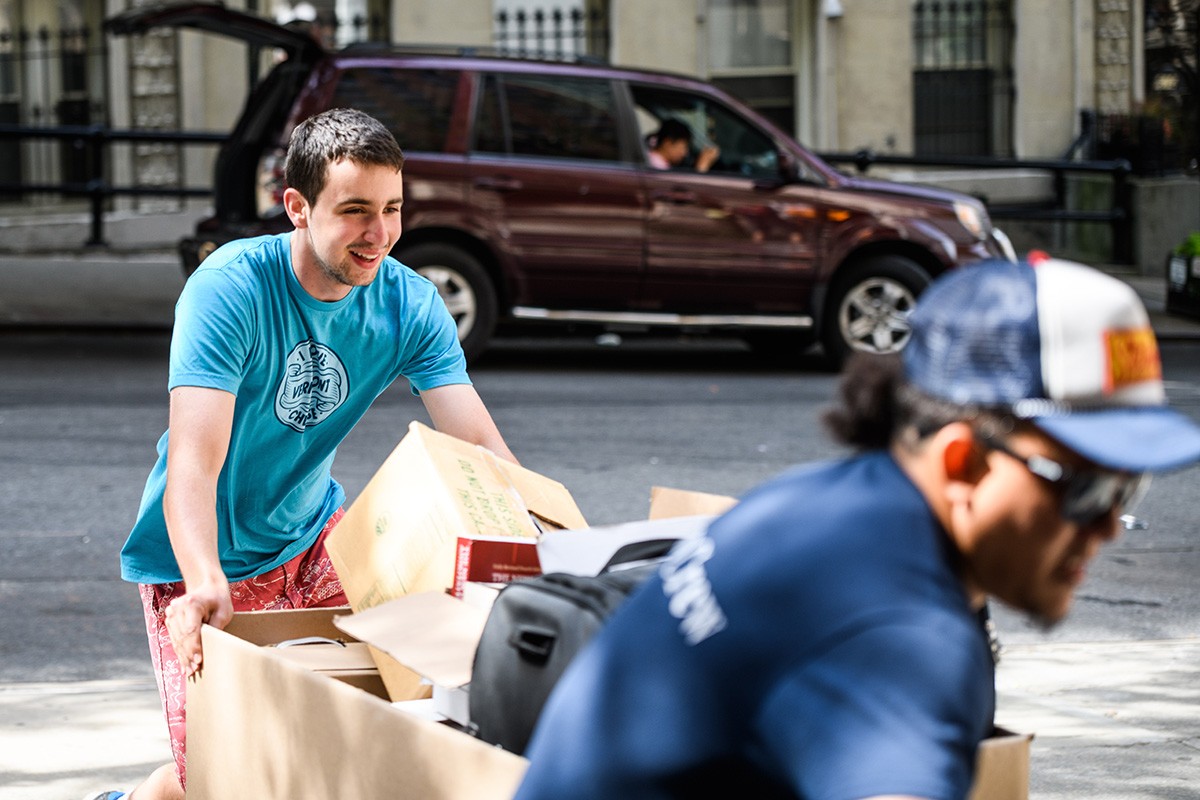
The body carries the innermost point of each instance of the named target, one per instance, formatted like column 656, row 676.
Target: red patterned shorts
column 307, row 581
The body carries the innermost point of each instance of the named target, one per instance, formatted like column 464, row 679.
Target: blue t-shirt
column 304, row 372
column 816, row 644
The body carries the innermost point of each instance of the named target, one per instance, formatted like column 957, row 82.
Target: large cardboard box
column 401, row 533
column 263, row 725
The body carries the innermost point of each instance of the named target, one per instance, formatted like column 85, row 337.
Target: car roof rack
column 469, row 51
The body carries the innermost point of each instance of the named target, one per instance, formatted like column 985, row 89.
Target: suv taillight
column 269, row 186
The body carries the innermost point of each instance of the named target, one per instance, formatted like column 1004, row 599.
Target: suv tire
column 464, row 286
column 869, row 305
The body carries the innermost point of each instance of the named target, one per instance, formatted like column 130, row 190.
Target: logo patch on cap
column 1132, row 358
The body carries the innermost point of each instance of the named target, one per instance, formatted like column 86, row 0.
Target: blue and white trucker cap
column 1057, row 343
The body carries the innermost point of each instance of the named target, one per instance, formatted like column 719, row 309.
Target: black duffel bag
column 535, row 628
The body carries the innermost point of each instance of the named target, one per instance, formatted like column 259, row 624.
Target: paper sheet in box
column 586, row 551
column 432, row 634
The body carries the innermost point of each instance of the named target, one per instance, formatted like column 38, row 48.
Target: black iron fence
column 1148, row 143
column 95, row 142
column 1118, row 216
column 52, row 77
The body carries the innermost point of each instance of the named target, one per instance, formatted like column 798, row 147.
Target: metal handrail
column 95, row 137
column 97, row 188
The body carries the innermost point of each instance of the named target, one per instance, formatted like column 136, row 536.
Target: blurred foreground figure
column 824, row 639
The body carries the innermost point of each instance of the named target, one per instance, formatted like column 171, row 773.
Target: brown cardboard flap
column 399, row 535
column 262, row 727
column 1002, row 767
column 431, row 633
column 666, row 502
column 273, row 627
column 544, row 498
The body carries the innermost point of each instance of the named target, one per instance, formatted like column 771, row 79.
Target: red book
column 499, row 559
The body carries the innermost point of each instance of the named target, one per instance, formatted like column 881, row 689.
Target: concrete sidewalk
column 137, row 289
column 1111, row 721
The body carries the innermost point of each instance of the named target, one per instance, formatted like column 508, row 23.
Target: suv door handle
column 677, row 196
column 499, row 183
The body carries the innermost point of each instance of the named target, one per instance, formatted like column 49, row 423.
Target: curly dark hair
column 333, row 135
column 877, row 406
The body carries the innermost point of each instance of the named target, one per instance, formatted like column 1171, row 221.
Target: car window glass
column 548, row 117
column 745, row 150
column 415, row 104
column 489, row 119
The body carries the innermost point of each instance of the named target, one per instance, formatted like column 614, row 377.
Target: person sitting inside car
column 670, row 145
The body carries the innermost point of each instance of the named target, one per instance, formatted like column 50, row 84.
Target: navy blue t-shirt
column 818, row 639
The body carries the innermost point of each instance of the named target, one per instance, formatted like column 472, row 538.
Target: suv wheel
column 869, row 306
column 464, row 287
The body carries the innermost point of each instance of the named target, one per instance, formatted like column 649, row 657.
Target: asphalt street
column 1112, row 695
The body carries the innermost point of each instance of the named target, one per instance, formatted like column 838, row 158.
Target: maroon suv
column 529, row 195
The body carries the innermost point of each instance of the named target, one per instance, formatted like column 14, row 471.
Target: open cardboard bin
column 297, row 723
column 262, row 724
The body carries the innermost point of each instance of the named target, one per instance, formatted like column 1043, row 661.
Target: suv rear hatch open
column 268, row 102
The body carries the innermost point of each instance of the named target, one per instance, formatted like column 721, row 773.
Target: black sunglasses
column 1086, row 495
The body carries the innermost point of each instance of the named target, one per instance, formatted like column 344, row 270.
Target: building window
column 749, row 33
column 564, row 30
column 962, row 80
column 335, row 23
column 749, row 47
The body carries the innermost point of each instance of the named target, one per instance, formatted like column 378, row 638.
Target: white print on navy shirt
column 689, row 594
column 314, row 385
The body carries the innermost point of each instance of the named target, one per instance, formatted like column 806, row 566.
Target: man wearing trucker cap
column 823, row 639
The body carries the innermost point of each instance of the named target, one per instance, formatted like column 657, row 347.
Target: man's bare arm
column 459, row 411
column 200, row 424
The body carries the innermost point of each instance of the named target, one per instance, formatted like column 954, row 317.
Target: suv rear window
column 414, row 104
column 555, row 117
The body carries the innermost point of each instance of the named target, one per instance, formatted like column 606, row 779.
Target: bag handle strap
column 646, row 550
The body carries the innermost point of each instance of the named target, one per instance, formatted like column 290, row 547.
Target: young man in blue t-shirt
column 281, row 344
column 822, row 641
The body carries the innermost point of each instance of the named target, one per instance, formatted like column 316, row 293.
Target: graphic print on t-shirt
column 314, row 385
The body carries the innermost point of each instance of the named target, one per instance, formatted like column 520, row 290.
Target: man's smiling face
column 342, row 237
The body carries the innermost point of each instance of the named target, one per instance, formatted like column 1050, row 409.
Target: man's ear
column 960, row 454
column 296, row 206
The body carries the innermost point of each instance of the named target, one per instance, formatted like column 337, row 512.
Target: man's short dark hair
column 334, row 135
column 672, row 130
